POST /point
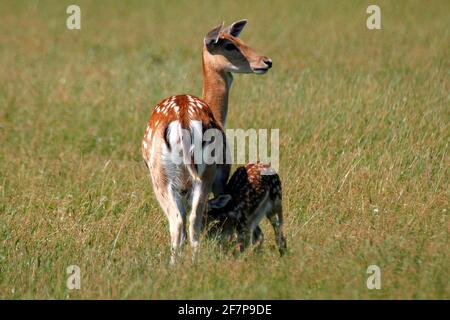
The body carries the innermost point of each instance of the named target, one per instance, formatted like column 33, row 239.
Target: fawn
column 174, row 123
column 253, row 192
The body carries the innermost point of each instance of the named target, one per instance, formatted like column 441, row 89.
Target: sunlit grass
column 364, row 130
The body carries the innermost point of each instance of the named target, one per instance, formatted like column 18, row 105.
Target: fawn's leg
column 276, row 219
column 258, row 238
column 244, row 238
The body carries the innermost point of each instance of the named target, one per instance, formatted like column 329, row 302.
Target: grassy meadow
column 364, row 148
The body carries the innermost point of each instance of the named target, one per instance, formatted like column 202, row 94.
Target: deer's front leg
column 220, row 179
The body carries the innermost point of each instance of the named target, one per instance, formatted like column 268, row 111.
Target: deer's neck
column 216, row 85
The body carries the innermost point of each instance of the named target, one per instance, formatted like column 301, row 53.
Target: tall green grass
column 364, row 132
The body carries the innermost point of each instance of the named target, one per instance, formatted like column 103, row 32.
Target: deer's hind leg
column 170, row 202
column 276, row 220
column 200, row 193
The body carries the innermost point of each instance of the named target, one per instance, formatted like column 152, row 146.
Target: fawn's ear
column 213, row 35
column 236, row 28
column 219, row 201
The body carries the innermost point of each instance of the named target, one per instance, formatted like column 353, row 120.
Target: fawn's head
column 221, row 208
column 223, row 50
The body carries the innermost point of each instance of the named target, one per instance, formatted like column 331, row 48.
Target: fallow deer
column 178, row 186
column 253, row 192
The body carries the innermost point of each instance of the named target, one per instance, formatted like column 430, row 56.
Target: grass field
column 364, row 139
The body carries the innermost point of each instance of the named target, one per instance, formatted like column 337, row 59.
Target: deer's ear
column 219, row 202
column 236, row 28
column 213, row 35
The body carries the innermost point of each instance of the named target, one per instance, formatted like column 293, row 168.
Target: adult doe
column 179, row 186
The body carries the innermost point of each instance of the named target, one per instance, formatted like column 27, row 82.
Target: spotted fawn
column 252, row 193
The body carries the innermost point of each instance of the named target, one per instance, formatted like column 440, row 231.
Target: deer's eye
column 230, row 47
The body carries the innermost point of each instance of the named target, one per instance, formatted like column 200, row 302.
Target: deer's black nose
column 268, row 62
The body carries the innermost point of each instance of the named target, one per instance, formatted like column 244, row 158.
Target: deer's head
column 223, row 50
